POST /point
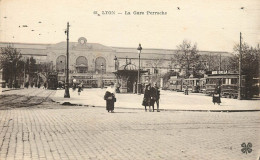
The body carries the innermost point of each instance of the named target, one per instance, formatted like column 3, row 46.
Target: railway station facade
column 95, row 64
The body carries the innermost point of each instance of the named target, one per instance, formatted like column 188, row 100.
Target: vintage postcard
column 129, row 79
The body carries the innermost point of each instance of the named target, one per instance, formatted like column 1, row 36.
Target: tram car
column 52, row 81
column 193, row 84
column 229, row 84
column 175, row 84
column 202, row 85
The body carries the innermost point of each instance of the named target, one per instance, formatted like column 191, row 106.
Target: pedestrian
column 186, row 91
column 216, row 95
column 45, row 85
column 155, row 96
column 118, row 87
column 27, row 85
column 110, row 98
column 74, row 84
column 147, row 97
column 80, row 88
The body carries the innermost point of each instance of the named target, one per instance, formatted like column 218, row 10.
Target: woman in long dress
column 110, row 98
column 216, row 95
column 147, row 97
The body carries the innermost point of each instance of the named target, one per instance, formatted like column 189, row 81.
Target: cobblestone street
column 52, row 131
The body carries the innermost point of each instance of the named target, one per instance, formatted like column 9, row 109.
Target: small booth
column 127, row 78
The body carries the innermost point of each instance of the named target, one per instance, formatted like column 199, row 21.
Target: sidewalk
column 175, row 101
column 8, row 89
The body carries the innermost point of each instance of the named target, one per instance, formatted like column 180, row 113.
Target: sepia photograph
column 129, row 79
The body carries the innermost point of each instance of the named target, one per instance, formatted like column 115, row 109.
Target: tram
column 193, row 84
column 52, row 81
column 175, row 83
column 229, row 84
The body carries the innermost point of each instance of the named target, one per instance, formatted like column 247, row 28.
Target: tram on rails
column 175, row 83
column 229, row 84
column 52, row 81
column 192, row 84
column 228, row 81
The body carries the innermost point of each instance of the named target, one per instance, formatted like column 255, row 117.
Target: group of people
column 151, row 96
column 80, row 87
column 38, row 85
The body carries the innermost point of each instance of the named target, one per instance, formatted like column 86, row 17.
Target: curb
column 12, row 89
column 169, row 110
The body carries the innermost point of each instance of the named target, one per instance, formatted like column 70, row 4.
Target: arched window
column 100, row 63
column 82, row 64
column 60, row 63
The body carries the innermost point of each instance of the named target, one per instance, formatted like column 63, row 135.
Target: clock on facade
column 82, row 40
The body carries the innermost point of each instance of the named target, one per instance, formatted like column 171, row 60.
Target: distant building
column 93, row 62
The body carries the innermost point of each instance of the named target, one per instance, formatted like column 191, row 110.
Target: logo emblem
column 246, row 148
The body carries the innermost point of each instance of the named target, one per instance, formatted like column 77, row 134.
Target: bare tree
column 187, row 58
column 155, row 64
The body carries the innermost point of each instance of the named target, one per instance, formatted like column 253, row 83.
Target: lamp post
column 138, row 84
column 240, row 69
column 11, row 77
column 67, row 92
column 115, row 60
column 24, row 72
column 102, row 75
column 51, row 66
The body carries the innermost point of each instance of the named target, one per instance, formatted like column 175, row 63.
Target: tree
column 250, row 66
column 215, row 62
column 187, row 58
column 44, row 69
column 10, row 63
column 155, row 65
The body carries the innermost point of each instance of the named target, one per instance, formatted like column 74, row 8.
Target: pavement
column 170, row 100
column 8, row 89
column 81, row 133
column 49, row 130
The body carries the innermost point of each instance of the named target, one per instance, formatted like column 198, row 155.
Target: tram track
column 39, row 99
column 32, row 98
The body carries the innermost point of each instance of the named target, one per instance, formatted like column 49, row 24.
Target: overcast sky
column 213, row 24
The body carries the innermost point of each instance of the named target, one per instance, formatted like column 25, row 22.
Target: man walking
column 155, row 96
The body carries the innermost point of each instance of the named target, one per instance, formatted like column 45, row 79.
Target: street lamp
column 11, row 79
column 115, row 60
column 67, row 92
column 138, row 83
column 24, row 78
column 102, row 75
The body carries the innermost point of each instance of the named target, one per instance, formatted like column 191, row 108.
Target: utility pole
column 138, row 83
column 24, row 74
column 240, row 68
column 67, row 92
column 220, row 62
column 210, row 61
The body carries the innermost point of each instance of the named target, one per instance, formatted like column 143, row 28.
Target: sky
column 214, row 25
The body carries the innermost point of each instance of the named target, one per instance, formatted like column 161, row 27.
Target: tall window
column 60, row 63
column 99, row 61
column 82, row 64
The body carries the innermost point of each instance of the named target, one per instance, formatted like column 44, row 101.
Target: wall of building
column 156, row 61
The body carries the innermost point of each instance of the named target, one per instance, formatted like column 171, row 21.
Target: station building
column 95, row 64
